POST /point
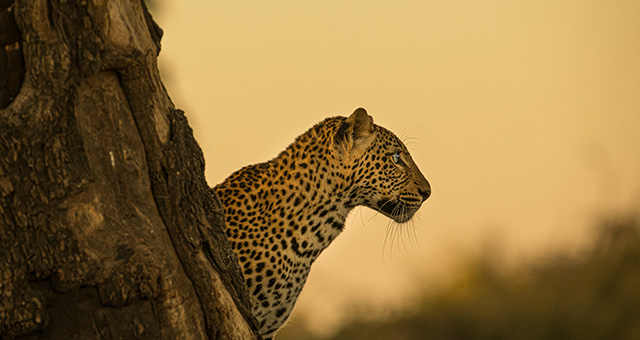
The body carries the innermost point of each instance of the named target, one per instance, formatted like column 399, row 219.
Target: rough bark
column 108, row 229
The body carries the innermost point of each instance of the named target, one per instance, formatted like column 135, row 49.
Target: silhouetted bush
column 592, row 295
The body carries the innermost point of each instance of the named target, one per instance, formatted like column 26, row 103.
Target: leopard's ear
column 355, row 134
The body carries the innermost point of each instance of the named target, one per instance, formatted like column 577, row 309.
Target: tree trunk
column 108, row 228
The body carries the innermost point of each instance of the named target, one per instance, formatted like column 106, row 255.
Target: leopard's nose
column 424, row 188
column 424, row 193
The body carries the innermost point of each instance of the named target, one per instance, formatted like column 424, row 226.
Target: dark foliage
column 592, row 295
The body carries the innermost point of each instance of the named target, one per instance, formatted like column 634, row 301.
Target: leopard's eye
column 396, row 158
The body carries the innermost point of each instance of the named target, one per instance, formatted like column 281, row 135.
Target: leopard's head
column 379, row 169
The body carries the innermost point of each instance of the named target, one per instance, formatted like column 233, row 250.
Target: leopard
column 281, row 214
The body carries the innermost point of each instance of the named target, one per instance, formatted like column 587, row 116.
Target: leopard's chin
column 398, row 212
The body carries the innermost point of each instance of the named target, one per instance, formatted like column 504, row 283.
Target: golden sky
column 523, row 115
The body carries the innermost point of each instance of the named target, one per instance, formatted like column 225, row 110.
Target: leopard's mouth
column 396, row 211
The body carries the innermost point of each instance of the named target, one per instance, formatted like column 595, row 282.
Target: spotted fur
column 280, row 215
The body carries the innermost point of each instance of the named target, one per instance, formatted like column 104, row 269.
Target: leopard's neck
column 313, row 197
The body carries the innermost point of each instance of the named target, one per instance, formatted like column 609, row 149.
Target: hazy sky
column 523, row 115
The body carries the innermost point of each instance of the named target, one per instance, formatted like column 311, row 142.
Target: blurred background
column 523, row 115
